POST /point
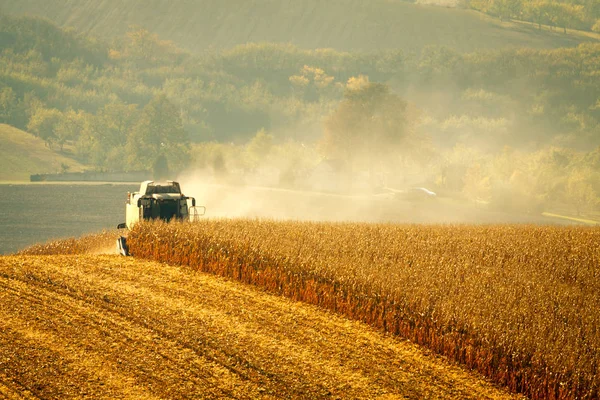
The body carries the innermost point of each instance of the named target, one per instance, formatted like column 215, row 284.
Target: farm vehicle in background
column 162, row 201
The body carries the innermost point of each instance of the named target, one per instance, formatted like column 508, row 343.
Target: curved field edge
column 113, row 327
column 516, row 303
column 104, row 242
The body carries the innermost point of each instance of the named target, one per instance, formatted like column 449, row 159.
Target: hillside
column 114, row 327
column 342, row 25
column 23, row 154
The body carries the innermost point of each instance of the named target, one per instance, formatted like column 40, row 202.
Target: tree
column 146, row 48
column 537, row 12
column 311, row 82
column 437, row 63
column 70, row 126
column 507, row 9
column 158, row 132
column 8, row 103
column 369, row 127
column 43, row 123
column 117, row 120
column 26, row 107
column 568, row 15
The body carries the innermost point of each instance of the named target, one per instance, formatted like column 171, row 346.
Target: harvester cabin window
column 163, row 189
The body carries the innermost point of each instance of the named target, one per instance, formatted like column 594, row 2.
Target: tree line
column 572, row 14
column 139, row 100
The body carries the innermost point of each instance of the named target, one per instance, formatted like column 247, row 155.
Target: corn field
column 518, row 303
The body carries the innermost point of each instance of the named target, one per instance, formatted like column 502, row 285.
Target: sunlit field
column 517, row 303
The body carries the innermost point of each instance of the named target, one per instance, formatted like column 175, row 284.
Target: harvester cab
column 158, row 201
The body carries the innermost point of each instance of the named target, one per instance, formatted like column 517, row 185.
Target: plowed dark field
column 104, row 326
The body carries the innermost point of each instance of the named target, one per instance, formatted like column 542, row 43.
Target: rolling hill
column 23, row 154
column 342, row 25
column 104, row 326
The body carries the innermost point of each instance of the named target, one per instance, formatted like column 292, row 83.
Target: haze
column 386, row 111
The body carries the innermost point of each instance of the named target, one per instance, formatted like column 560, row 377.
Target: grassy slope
column 22, row 154
column 341, row 24
column 120, row 327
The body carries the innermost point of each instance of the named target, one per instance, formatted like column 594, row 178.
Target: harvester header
column 162, row 201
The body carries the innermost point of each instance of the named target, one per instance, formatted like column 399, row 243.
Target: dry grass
column 23, row 154
column 104, row 242
column 85, row 326
column 517, row 303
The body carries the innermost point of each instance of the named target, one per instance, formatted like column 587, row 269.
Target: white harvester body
column 160, row 201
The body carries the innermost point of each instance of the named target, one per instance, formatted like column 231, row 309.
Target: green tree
column 568, row 15
column 537, row 11
column 43, row 123
column 70, row 126
column 507, row 9
column 8, row 104
column 436, row 63
column 158, row 132
column 26, row 107
column 117, row 120
column 146, row 48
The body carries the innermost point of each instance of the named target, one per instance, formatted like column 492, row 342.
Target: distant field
column 342, row 25
column 113, row 327
column 22, row 154
column 518, row 303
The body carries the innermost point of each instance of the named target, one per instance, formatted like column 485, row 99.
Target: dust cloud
column 104, row 250
column 397, row 162
column 383, row 206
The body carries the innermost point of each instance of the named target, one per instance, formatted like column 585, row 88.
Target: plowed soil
column 104, row 326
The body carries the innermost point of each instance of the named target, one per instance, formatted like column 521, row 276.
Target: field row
column 517, row 303
column 89, row 326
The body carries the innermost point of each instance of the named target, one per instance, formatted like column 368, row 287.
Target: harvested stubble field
column 517, row 303
column 105, row 326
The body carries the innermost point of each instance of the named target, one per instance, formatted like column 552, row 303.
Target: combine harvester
column 157, row 201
